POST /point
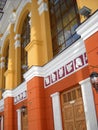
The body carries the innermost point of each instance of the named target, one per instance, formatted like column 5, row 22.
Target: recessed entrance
column 72, row 110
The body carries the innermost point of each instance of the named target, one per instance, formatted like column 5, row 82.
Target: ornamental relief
column 64, row 71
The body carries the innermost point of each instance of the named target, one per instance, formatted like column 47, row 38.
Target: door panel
column 72, row 110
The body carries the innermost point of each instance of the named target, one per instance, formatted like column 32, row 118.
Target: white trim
column 89, row 105
column 32, row 72
column 2, row 65
column 12, row 18
column 43, row 7
column 63, row 58
column 39, row 2
column 17, row 36
column 20, row 93
column 7, row 93
column 19, row 119
column 66, row 56
column 89, row 27
column 57, row 111
column 1, row 105
column 2, row 58
column 2, row 123
column 17, row 44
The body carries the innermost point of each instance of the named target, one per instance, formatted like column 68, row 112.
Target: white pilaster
column 1, row 123
column 89, row 106
column 56, row 111
column 19, row 119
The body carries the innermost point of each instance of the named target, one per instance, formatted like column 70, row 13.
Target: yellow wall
column 92, row 4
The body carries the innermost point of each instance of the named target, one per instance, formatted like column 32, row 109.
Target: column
column 2, row 70
column 9, row 74
column 89, row 106
column 19, row 119
column 8, row 110
column 17, row 60
column 57, row 111
column 45, row 28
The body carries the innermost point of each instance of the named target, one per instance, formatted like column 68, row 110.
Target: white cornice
column 89, row 27
column 7, row 93
column 32, row 72
column 65, row 57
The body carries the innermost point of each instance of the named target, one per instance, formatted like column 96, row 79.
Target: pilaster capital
column 42, row 7
column 2, row 58
column 17, row 36
column 17, row 44
column 2, row 65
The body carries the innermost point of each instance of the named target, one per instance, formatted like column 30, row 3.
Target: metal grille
column 2, row 4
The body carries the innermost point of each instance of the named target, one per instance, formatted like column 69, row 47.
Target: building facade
column 48, row 49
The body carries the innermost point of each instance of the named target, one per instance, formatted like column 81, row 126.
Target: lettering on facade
column 20, row 97
column 67, row 69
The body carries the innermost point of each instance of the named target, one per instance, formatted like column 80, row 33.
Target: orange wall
column 66, row 83
column 92, row 53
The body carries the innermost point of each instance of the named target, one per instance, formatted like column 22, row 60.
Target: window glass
column 64, row 19
column 25, row 40
column 60, row 38
column 59, row 26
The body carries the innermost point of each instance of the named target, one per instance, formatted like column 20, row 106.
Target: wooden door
column 24, row 120
column 72, row 110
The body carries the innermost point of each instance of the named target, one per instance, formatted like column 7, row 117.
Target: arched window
column 64, row 19
column 25, row 39
column 6, row 55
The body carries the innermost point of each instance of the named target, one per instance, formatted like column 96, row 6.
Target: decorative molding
column 65, row 70
column 17, row 44
column 61, row 66
column 2, row 58
column 39, row 2
column 2, row 65
column 20, row 93
column 7, row 93
column 17, row 36
column 12, row 18
column 89, row 27
column 32, row 43
column 32, row 72
column 43, row 7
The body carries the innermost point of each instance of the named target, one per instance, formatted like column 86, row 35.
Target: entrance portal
column 72, row 110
